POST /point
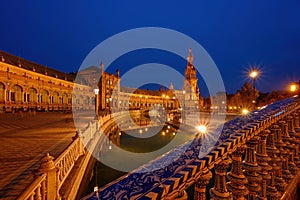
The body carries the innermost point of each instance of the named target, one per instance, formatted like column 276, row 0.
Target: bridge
column 262, row 148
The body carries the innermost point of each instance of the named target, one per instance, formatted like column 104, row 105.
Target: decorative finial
column 190, row 57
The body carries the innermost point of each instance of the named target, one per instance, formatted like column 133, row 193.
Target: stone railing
column 36, row 190
column 65, row 162
column 52, row 174
column 270, row 140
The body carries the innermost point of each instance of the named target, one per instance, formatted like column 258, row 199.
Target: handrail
column 36, row 190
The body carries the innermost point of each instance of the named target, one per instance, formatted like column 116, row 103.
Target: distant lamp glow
column 293, row 88
column 202, row 128
column 245, row 111
column 163, row 133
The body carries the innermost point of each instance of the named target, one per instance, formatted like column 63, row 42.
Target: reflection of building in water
column 25, row 85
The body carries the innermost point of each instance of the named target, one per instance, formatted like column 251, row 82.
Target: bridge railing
column 273, row 132
column 52, row 173
column 36, row 190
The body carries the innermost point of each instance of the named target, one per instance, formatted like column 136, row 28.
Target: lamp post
column 96, row 91
column 141, row 109
column 253, row 74
column 183, row 111
column 167, row 97
column 163, row 104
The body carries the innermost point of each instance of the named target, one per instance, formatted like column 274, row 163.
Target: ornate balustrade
column 268, row 140
column 37, row 190
column 52, row 174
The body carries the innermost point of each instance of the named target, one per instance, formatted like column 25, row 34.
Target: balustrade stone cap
column 47, row 163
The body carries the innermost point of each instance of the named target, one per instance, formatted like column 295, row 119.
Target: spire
column 171, row 86
column 190, row 57
column 102, row 67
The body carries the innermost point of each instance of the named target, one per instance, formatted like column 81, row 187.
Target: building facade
column 26, row 86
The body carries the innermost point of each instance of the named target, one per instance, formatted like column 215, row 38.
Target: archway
column 16, row 93
column 32, row 95
column 2, row 93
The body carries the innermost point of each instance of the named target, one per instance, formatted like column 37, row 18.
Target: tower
column 190, row 85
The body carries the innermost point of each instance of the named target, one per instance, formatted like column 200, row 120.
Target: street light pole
column 96, row 91
column 183, row 111
column 253, row 74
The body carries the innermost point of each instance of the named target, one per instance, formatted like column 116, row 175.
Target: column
column 236, row 176
column 272, row 151
column 263, row 159
column 219, row 191
column 251, row 168
column 279, row 181
column 200, row 186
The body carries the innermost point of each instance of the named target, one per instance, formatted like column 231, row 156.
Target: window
column 13, row 96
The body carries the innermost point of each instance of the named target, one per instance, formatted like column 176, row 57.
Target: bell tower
column 190, row 85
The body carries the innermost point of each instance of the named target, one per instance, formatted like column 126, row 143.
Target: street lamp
column 253, row 74
column 183, row 111
column 294, row 87
column 96, row 91
column 141, row 110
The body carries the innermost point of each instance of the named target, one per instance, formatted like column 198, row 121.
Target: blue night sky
column 236, row 34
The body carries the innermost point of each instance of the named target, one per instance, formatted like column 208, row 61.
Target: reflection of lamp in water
column 202, row 130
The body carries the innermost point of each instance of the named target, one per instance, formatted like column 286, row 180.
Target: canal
column 154, row 138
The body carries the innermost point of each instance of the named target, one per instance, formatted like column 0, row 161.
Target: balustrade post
column 200, row 186
column 279, row 181
column 263, row 159
column 290, row 123
column 272, row 151
column 297, row 121
column 285, row 153
column 251, row 168
column 236, row 176
column 219, row 191
column 47, row 166
column 182, row 195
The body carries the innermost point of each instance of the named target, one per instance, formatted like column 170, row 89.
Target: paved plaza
column 24, row 139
